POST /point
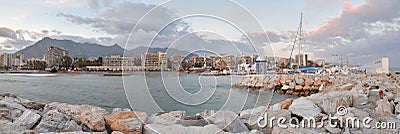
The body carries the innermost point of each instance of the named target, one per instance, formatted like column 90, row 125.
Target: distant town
column 58, row 59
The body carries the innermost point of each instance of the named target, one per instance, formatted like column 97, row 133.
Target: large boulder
column 91, row 116
column 8, row 127
column 10, row 110
column 228, row 121
column 308, row 81
column 54, row 121
column 348, row 86
column 299, row 81
column 94, row 118
column 54, row 126
column 250, row 117
column 286, row 103
column 384, row 107
column 34, row 105
column 304, row 108
column 28, row 119
column 127, row 122
column 128, row 126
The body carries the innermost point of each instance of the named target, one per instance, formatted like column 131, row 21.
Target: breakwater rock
column 305, row 85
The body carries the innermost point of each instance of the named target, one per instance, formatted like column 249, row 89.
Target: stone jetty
column 305, row 85
column 359, row 94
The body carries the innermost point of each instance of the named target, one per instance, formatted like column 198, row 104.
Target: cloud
column 351, row 22
column 121, row 18
column 7, row 33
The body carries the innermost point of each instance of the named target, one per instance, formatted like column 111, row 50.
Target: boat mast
column 300, row 38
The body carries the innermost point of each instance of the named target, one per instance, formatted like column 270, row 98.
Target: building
column 18, row 60
column 176, row 61
column 378, row 66
column 232, row 61
column 261, row 66
column 154, row 61
column 6, row 60
column 118, row 63
column 54, row 55
column 302, row 61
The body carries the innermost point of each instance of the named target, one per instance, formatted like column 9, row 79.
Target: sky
column 359, row 30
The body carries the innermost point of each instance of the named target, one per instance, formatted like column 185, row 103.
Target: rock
column 228, row 121
column 289, row 130
column 128, row 126
column 333, row 130
column 307, row 88
column 358, row 112
column 397, row 109
column 286, row 104
column 94, row 119
column 54, row 121
column 384, row 107
column 308, row 82
column 292, row 85
column 55, row 126
column 127, row 122
column 166, row 118
column 34, row 105
column 298, row 88
column 117, row 132
column 304, row 108
column 348, row 86
column 28, row 119
column 10, row 111
column 276, row 106
column 299, row 81
column 110, row 119
column 389, row 95
column 318, row 83
column 250, row 117
column 7, row 127
column 179, row 129
column 91, row 116
column 285, row 87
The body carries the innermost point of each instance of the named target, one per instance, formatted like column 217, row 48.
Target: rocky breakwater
column 297, row 85
column 305, row 85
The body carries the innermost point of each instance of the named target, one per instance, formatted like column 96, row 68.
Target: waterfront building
column 231, row 61
column 303, row 59
column 176, row 61
column 6, row 60
column 378, row 66
column 54, row 55
column 154, row 61
column 118, row 63
column 261, row 66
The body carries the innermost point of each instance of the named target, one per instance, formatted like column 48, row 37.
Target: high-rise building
column 119, row 63
column 303, row 59
column 54, row 55
column 6, row 60
column 154, row 61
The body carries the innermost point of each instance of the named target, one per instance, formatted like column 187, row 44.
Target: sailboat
column 302, row 58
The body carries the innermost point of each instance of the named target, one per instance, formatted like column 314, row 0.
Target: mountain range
column 86, row 50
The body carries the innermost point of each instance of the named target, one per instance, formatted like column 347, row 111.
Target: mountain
column 75, row 49
column 171, row 51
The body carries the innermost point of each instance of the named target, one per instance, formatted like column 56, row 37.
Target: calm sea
column 150, row 92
